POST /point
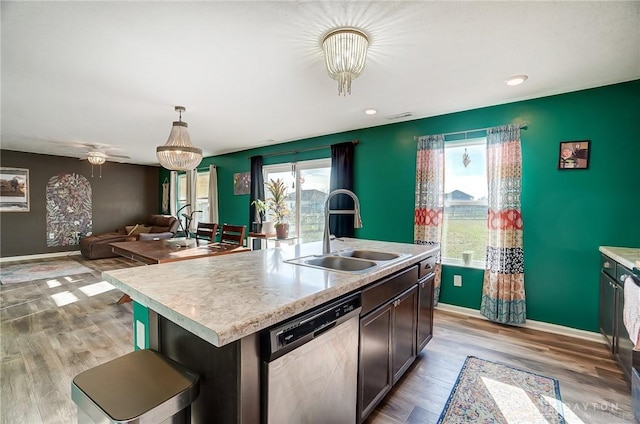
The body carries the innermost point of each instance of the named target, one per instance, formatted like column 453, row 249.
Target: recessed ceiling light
column 370, row 111
column 517, row 79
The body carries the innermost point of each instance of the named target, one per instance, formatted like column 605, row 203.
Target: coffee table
column 150, row 252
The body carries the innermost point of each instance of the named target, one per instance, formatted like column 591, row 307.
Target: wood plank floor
column 43, row 346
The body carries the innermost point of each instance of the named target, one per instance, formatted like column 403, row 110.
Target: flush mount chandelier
column 345, row 52
column 178, row 154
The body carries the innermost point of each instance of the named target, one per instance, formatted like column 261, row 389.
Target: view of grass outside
column 465, row 200
column 461, row 235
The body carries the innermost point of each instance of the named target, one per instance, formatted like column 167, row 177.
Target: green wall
column 567, row 214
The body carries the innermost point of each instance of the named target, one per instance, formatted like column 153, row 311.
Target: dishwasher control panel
column 286, row 336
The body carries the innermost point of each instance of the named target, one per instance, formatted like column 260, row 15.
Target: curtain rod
column 523, row 126
column 288, row 152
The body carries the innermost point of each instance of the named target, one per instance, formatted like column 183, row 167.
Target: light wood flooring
column 43, row 346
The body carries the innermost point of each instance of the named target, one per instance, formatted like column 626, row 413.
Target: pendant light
column 178, row 154
column 345, row 51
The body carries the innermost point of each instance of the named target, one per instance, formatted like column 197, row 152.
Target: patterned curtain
column 503, row 298
column 429, row 210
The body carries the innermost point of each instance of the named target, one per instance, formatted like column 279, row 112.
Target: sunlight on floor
column 64, row 298
column 71, row 280
column 96, row 288
column 53, row 283
column 567, row 413
column 514, row 403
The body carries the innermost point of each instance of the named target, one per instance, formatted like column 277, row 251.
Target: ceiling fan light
column 345, row 52
column 96, row 158
column 178, row 154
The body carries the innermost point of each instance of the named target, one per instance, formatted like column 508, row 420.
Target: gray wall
column 126, row 194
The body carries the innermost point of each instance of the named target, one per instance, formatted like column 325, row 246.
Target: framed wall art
column 574, row 154
column 241, row 183
column 14, row 189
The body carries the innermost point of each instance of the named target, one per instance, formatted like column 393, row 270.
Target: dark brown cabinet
column 612, row 280
column 403, row 330
column 374, row 379
column 396, row 323
column 425, row 312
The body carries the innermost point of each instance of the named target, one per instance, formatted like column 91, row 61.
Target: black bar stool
column 140, row 387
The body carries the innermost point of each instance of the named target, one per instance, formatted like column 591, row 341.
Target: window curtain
column 429, row 210
column 173, row 193
column 341, row 177
column 213, row 194
column 503, row 296
column 192, row 180
column 257, row 189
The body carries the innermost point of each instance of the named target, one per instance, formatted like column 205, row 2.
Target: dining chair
column 233, row 234
column 206, row 231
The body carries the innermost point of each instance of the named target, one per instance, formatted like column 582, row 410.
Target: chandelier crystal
column 345, row 52
column 178, row 154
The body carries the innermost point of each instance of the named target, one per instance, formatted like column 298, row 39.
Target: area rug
column 19, row 273
column 490, row 392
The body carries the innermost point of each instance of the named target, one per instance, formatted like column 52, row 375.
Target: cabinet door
column 607, row 309
column 624, row 345
column 374, row 378
column 425, row 312
column 404, row 331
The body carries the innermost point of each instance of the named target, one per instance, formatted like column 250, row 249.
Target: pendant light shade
column 178, row 154
column 345, row 51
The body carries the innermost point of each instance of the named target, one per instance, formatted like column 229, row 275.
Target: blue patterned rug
column 490, row 392
column 21, row 272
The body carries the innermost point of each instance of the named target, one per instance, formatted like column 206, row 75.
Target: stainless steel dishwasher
column 310, row 366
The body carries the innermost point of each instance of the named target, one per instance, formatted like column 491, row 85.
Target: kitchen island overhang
column 222, row 299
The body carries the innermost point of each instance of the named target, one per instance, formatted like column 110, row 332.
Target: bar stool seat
column 140, row 387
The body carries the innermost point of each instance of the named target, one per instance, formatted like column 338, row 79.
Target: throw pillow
column 130, row 228
column 140, row 229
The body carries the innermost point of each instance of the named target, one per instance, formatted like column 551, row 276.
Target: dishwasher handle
column 288, row 335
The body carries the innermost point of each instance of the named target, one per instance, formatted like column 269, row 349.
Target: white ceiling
column 253, row 73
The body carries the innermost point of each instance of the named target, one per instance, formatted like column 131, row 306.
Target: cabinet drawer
column 608, row 265
column 621, row 273
column 426, row 266
column 387, row 289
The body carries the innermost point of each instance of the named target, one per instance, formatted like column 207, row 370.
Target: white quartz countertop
column 224, row 298
column 627, row 256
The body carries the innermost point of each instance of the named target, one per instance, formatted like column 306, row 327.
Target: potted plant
column 262, row 224
column 277, row 206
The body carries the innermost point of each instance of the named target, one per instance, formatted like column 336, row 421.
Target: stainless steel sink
column 373, row 255
column 352, row 261
column 340, row 263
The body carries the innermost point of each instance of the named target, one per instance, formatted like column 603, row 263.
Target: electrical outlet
column 51, row 236
column 457, row 280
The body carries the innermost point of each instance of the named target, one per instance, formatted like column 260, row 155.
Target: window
column 465, row 201
column 202, row 196
column 308, row 184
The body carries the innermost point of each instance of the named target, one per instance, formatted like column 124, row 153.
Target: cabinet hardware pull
column 422, row 285
column 623, row 277
column 607, row 265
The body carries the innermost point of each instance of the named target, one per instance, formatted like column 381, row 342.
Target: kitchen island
column 208, row 313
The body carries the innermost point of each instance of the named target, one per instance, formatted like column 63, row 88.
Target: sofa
column 157, row 227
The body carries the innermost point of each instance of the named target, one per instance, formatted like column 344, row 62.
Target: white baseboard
column 40, row 256
column 534, row 325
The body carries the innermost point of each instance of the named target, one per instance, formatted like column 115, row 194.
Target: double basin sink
column 356, row 261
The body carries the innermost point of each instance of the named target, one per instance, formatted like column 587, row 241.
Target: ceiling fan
column 97, row 154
